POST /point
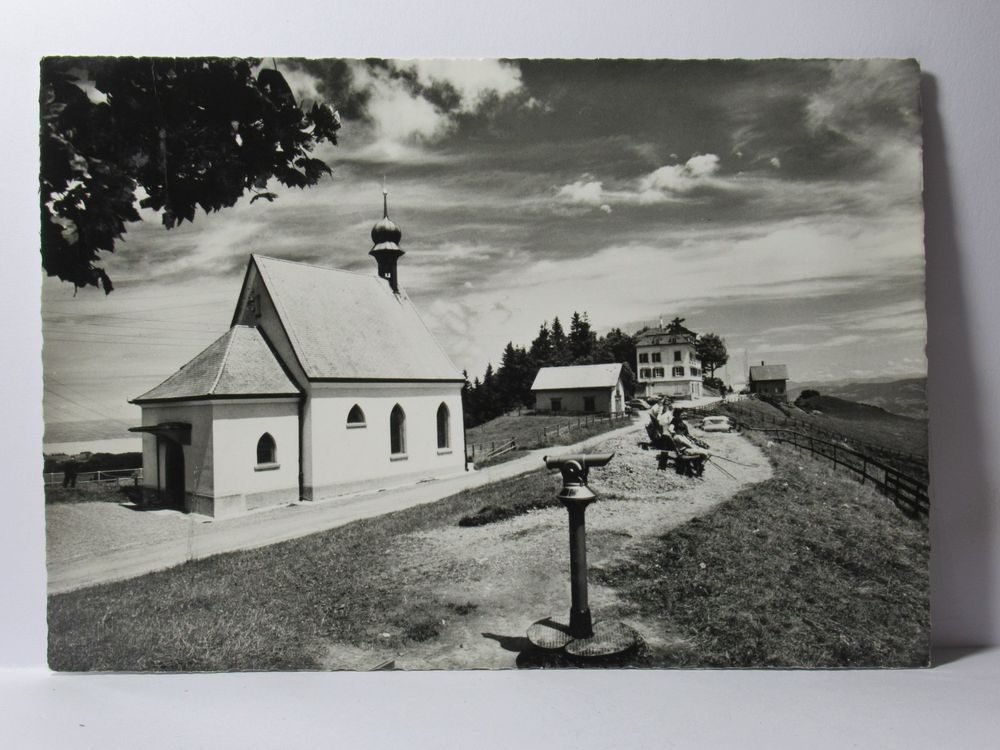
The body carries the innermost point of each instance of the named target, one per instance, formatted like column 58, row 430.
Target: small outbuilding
column 769, row 380
column 586, row 389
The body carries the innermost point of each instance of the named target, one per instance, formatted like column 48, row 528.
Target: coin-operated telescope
column 575, row 468
column 581, row 637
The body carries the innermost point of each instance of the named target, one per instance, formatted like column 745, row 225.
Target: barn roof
column 239, row 364
column 768, row 372
column 351, row 326
column 577, row 376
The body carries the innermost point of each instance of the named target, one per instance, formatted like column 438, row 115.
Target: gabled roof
column 656, row 336
column 577, row 376
column 351, row 326
column 239, row 364
column 768, row 372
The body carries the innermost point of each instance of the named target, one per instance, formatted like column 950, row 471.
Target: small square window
column 656, row 356
column 644, row 357
column 556, row 404
column 678, row 372
column 588, row 403
column 657, row 372
column 644, row 372
column 677, row 356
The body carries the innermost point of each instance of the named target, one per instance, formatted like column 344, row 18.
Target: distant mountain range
column 906, row 397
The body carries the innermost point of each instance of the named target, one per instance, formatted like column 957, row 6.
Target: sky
column 775, row 203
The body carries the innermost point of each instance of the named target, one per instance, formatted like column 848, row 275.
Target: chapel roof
column 239, row 364
column 346, row 326
column 577, row 376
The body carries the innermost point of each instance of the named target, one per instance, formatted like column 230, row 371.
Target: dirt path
column 499, row 578
column 93, row 543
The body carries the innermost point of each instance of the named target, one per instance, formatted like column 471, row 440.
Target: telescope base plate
column 609, row 638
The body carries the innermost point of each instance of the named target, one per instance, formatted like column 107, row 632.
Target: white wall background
column 956, row 44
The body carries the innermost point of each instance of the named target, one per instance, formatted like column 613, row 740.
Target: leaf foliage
column 168, row 134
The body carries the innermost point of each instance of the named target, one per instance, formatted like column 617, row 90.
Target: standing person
column 71, row 468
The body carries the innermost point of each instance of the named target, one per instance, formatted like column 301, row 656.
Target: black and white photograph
column 479, row 364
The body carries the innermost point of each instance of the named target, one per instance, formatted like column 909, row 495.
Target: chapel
column 326, row 384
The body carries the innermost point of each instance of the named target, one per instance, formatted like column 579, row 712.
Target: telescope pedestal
column 581, row 638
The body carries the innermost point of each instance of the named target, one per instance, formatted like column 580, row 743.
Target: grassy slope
column 808, row 568
column 907, row 397
column 527, row 428
column 805, row 569
column 890, row 431
column 268, row 609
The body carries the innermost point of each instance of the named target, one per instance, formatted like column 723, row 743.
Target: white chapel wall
column 344, row 459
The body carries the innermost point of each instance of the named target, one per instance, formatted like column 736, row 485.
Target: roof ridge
column 283, row 316
column 225, row 358
column 315, row 265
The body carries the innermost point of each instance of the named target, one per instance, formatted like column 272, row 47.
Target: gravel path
column 90, row 543
column 506, row 575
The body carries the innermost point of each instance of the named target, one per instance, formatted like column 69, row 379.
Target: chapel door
column 174, row 473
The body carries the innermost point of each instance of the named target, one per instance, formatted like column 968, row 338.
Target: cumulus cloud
column 775, row 162
column 587, row 193
column 472, row 79
column 606, row 208
column 411, row 104
column 668, row 183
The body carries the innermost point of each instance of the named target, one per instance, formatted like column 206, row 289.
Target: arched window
column 397, row 431
column 266, row 450
column 355, row 417
column 444, row 427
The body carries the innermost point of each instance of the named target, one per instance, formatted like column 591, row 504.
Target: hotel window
column 644, row 357
column 644, row 372
column 656, row 356
column 677, row 356
column 678, row 372
column 657, row 372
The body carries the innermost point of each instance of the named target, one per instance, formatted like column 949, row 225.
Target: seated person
column 684, row 443
column 678, row 425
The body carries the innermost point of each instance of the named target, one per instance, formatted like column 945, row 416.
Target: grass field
column 272, row 608
column 527, row 430
column 91, row 493
column 808, row 568
column 889, row 431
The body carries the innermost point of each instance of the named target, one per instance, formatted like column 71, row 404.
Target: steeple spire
column 385, row 248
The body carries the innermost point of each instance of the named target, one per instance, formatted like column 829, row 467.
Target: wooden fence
column 909, row 494
column 492, row 448
column 121, row 477
column 913, row 463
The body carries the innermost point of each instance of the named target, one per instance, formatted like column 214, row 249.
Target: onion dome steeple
column 385, row 245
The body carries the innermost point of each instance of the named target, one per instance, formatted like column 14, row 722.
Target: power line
column 85, row 407
column 168, row 324
column 122, row 343
column 137, row 335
